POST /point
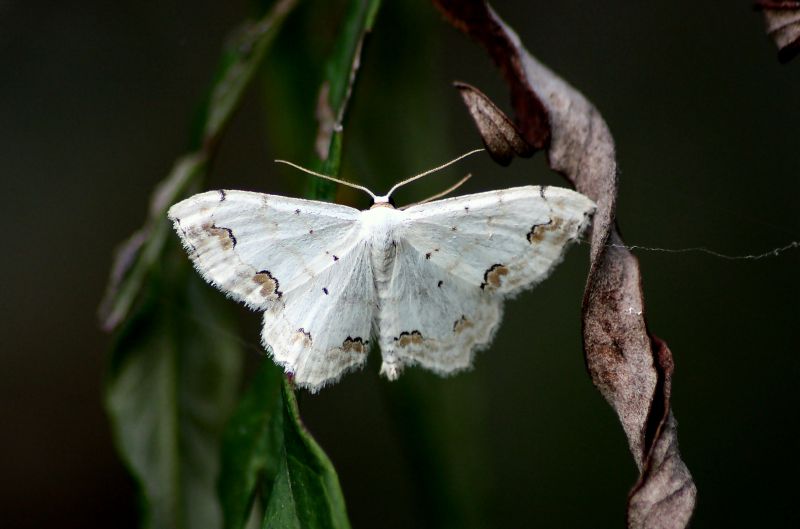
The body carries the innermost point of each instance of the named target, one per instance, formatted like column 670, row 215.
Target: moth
column 426, row 282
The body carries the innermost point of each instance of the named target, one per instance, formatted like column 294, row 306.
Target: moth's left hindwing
column 301, row 261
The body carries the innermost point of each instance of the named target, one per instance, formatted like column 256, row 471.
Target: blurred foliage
column 170, row 390
column 250, row 445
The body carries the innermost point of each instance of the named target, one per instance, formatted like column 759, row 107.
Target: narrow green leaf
column 282, row 509
column 251, row 446
column 136, row 257
column 242, row 58
column 344, row 61
column 340, row 76
column 170, row 390
column 306, row 493
column 325, row 189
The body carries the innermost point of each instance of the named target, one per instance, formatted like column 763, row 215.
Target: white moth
column 427, row 281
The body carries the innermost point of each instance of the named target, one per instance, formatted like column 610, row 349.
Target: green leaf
column 171, row 387
column 243, row 56
column 251, row 446
column 340, row 76
column 306, row 493
column 343, row 63
column 137, row 256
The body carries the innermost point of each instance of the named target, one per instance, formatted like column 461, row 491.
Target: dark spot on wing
column 221, row 195
column 541, row 192
column 538, row 231
column 303, row 336
column 230, row 234
column 269, row 284
column 225, row 236
column 311, row 232
column 325, row 289
column 461, row 324
column 428, row 255
column 492, row 278
column 335, row 258
column 354, row 345
column 439, row 284
column 297, row 212
column 453, row 228
column 407, row 338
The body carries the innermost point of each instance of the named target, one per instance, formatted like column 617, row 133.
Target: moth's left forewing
column 254, row 247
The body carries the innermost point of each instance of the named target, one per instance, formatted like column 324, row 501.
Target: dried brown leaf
column 782, row 20
column 630, row 367
column 471, row 19
column 502, row 138
column 664, row 485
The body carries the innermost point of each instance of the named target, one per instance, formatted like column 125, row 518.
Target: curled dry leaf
column 470, row 16
column 663, row 471
column 502, row 138
column 630, row 367
column 782, row 20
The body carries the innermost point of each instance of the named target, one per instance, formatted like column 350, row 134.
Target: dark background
column 96, row 101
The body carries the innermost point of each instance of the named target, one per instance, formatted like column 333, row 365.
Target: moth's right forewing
column 499, row 241
column 254, row 247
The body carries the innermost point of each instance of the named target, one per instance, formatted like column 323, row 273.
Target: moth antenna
column 326, row 177
column 429, row 171
column 442, row 193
